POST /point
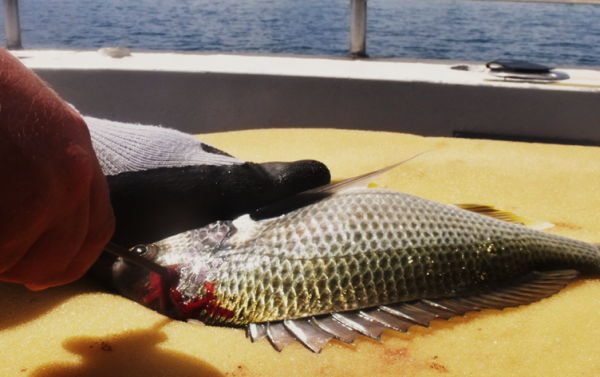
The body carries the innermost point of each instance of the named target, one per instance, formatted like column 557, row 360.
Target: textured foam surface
column 81, row 330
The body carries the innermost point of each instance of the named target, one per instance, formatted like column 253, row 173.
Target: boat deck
column 200, row 93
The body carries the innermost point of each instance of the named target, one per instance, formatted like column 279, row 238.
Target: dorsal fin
column 507, row 216
column 314, row 333
column 315, row 195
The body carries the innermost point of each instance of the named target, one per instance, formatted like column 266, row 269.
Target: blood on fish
column 159, row 288
column 208, row 303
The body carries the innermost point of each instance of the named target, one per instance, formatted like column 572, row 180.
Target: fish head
column 141, row 285
column 186, row 291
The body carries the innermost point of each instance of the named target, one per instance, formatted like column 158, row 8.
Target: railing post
column 358, row 29
column 12, row 24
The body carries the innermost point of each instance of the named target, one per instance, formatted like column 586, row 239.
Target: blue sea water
column 546, row 33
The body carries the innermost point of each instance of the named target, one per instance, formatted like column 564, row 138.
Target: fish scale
column 358, row 249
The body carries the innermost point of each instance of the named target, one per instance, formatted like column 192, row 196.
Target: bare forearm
column 54, row 207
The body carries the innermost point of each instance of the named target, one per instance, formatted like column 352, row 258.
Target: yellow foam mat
column 82, row 330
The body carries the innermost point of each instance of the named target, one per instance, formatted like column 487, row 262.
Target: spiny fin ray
column 279, row 336
column 310, row 336
column 360, row 324
column 306, row 198
column 256, row 331
column 335, row 328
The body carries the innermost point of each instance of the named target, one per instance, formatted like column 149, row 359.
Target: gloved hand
column 54, row 205
column 163, row 182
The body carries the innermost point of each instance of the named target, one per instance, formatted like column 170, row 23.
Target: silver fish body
column 357, row 249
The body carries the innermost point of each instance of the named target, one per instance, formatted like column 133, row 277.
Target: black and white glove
column 163, row 182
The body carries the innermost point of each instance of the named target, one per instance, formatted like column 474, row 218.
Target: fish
column 343, row 261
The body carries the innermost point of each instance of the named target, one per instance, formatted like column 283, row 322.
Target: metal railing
column 358, row 27
column 12, row 24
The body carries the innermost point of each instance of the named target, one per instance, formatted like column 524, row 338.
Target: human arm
column 55, row 213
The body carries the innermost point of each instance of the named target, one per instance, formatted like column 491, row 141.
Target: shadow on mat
column 130, row 353
column 20, row 305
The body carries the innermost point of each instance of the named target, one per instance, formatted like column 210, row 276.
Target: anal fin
column 315, row 332
column 531, row 288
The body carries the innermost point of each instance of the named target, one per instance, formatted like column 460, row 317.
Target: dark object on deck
column 518, row 70
column 504, row 65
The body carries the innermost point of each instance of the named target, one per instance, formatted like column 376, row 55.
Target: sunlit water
column 555, row 34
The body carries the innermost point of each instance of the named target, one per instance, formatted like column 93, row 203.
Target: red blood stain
column 208, row 302
column 159, row 288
